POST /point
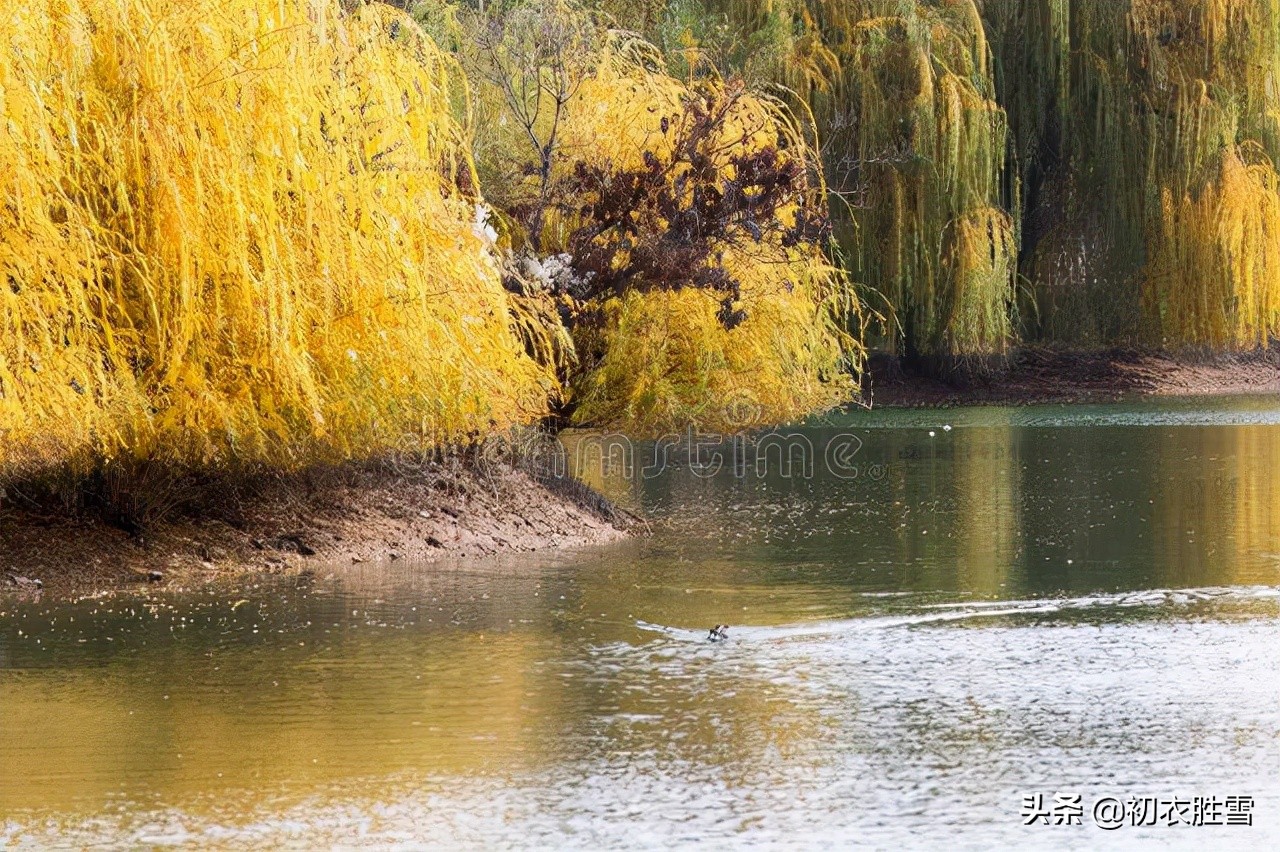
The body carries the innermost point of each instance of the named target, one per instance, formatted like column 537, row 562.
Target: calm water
column 924, row 630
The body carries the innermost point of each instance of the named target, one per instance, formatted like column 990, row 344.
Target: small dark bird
column 719, row 633
column 23, row 582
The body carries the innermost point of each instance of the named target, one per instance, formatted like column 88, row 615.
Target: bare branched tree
column 538, row 56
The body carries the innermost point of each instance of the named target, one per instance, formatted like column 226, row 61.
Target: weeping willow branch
column 240, row 232
column 1099, row 129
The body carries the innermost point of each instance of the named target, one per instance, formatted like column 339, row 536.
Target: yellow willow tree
column 1209, row 70
column 1214, row 277
column 240, row 232
column 916, row 142
column 681, row 225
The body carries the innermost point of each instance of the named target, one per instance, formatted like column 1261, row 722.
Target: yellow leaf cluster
column 1215, row 277
column 668, row 361
column 239, row 232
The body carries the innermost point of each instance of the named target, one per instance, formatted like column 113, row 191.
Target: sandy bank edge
column 348, row 517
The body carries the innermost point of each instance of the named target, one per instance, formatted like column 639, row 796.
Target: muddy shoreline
column 1039, row 375
column 342, row 517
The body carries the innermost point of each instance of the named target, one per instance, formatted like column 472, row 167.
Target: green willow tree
column 1144, row 136
column 915, row 149
column 1091, row 171
column 916, row 145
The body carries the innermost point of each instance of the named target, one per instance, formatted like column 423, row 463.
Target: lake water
column 925, row 629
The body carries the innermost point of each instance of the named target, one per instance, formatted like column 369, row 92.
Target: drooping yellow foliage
column 1215, row 273
column 1211, row 66
column 668, row 360
column 915, row 146
column 982, row 257
column 917, row 143
column 1078, row 119
column 234, row 232
column 669, row 364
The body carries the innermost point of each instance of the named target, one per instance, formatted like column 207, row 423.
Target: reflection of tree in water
column 435, row 674
column 1041, row 510
column 1216, row 511
column 988, row 503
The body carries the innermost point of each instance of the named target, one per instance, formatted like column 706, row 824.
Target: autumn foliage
column 240, row 232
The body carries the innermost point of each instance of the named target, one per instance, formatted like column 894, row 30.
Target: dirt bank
column 1042, row 375
column 318, row 519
